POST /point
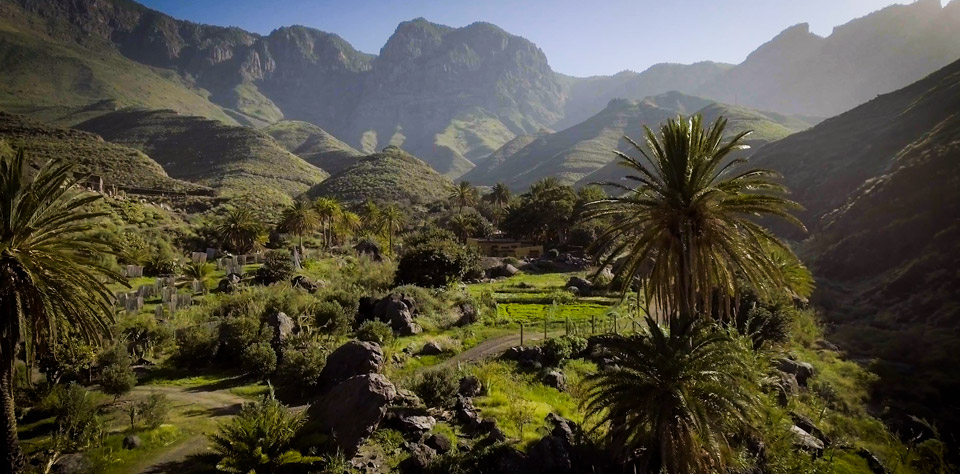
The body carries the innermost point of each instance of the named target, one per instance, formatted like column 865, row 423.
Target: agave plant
column 687, row 226
column 672, row 401
column 52, row 280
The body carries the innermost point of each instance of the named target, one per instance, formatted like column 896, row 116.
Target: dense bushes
column 277, row 267
column 259, row 359
column 435, row 258
column 437, row 387
column 375, row 331
column 116, row 377
column 259, row 439
column 77, row 424
column 561, row 348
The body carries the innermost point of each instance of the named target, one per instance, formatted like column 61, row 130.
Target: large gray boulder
column 506, row 270
column 802, row 370
column 399, row 311
column 350, row 360
column 352, row 410
column 70, row 464
column 554, row 453
column 806, row 441
column 283, row 327
column 581, row 284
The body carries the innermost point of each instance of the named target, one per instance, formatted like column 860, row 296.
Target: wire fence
column 610, row 323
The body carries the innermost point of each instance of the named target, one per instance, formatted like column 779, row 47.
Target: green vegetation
column 314, row 145
column 259, row 439
column 389, row 176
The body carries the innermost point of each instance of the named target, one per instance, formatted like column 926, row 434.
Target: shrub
column 764, row 324
column 259, row 359
column 155, row 410
column 196, row 346
column 259, row 439
column 78, row 426
column 331, row 317
column 236, row 334
column 562, row 348
column 277, row 267
column 437, row 387
column 437, row 260
column 117, row 378
column 511, row 261
column 301, row 366
column 375, row 331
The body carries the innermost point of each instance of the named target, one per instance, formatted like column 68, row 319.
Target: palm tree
column 689, row 220
column 393, row 221
column 240, row 231
column 196, row 271
column 299, row 218
column 674, row 398
column 349, row 223
column 371, row 217
column 500, row 197
column 328, row 210
column 462, row 195
column 51, row 279
column 462, row 225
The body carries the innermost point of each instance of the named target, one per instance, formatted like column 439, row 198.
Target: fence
column 611, row 323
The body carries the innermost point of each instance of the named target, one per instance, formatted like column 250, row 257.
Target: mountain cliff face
column 799, row 72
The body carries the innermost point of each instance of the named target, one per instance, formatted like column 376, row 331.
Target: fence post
column 615, row 323
column 544, row 329
column 593, row 324
column 521, row 333
column 568, row 325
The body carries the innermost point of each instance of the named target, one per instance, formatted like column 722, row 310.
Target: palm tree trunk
column 12, row 455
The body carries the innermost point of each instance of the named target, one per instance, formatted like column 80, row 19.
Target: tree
column 500, row 197
column 299, row 218
column 370, row 217
column 259, row 439
column 675, row 398
column 117, row 377
column 462, row 195
column 241, row 231
column 195, row 272
column 349, row 224
column 392, row 222
column 51, row 277
column 689, row 221
column 329, row 211
column 543, row 214
column 462, row 226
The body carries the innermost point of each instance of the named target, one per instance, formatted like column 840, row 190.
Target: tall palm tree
column 675, row 398
column 299, row 218
column 462, row 195
column 241, row 230
column 51, row 279
column 500, row 197
column 371, row 217
column 328, row 210
column 349, row 224
column 393, row 222
column 689, row 220
column 463, row 226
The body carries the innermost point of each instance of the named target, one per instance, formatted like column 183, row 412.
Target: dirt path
column 194, row 403
column 494, row 347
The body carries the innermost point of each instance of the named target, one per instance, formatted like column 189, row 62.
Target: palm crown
column 51, row 280
column 687, row 226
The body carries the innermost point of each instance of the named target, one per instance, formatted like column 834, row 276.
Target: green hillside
column 53, row 80
column 313, row 144
column 234, row 159
column 487, row 165
column 767, row 127
column 571, row 154
column 117, row 165
column 392, row 175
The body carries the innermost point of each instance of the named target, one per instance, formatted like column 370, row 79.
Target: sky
column 579, row 37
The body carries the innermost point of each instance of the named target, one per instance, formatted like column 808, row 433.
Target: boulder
column 503, row 271
column 802, row 370
column 304, row 283
column 283, row 327
column 574, row 290
column 826, row 345
column 406, row 398
column 806, row 424
column 370, row 249
column 439, row 443
column 466, row 414
column 468, row 314
column 470, row 386
column 350, row 360
column 419, row 459
column 555, row 379
column 399, row 312
column 528, row 357
column 431, row 348
column 806, row 441
column 873, row 462
column 70, row 464
column 131, row 442
column 786, row 387
column 581, row 284
column 414, row 424
column 352, row 410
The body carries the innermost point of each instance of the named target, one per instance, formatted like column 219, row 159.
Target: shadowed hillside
column 117, row 165
column 391, row 175
column 233, row 158
column 314, row 145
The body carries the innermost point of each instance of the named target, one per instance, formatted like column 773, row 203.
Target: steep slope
column 117, row 165
column 571, row 154
column 237, row 160
column 824, row 165
column 455, row 94
column 590, row 95
column 487, row 164
column 799, row 72
column 313, row 144
column 391, row 175
column 766, row 127
column 52, row 79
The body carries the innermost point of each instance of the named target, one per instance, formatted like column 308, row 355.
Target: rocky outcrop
column 352, row 410
column 397, row 310
column 350, row 360
column 803, row 371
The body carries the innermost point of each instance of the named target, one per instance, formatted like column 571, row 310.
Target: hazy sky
column 579, row 37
